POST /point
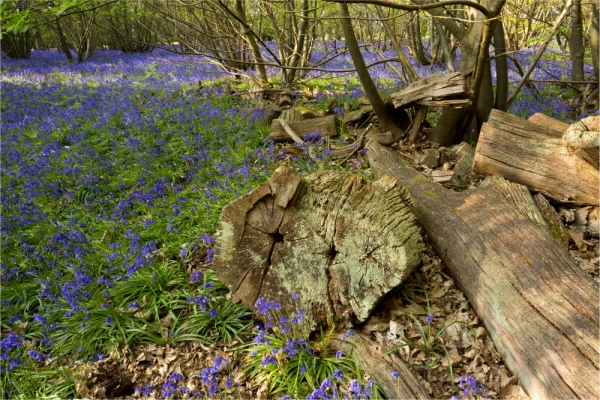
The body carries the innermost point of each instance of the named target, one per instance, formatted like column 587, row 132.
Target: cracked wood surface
column 539, row 307
column 338, row 241
column 438, row 91
column 532, row 154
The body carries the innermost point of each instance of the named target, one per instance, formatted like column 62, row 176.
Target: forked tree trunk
column 539, row 307
column 336, row 240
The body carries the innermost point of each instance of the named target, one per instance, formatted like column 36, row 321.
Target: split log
column 327, row 125
column 533, row 155
column 336, row 240
column 539, row 307
column 583, row 137
column 437, row 91
column 369, row 356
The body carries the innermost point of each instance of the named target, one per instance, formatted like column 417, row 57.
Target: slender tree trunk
column 63, row 42
column 406, row 65
column 379, row 107
column 501, row 67
column 448, row 56
column 259, row 61
column 594, row 40
column 576, row 48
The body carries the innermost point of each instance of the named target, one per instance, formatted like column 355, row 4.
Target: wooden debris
column 533, row 155
column 431, row 158
column 370, row 358
column 437, row 91
column 291, row 115
column 465, row 153
column 583, row 137
column 538, row 306
column 290, row 132
column 328, row 126
column 417, row 123
column 336, row 240
column 442, row 176
column 359, row 116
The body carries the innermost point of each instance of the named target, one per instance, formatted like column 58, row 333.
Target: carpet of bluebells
column 114, row 172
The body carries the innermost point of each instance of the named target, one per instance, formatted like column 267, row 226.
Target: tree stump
column 539, row 307
column 336, row 240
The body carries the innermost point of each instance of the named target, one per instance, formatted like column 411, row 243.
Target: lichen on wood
column 336, row 240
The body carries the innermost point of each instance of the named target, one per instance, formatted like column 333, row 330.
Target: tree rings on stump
column 338, row 241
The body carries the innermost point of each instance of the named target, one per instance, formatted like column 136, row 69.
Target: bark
column 448, row 56
column 558, row 127
column 249, row 36
column 576, row 48
column 553, row 221
column 369, row 356
column 379, row 107
column 63, row 42
column 501, row 67
column 539, row 307
column 533, row 155
column 336, row 240
column 329, row 127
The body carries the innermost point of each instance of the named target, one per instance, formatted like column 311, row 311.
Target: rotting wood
column 555, row 225
column 538, row 306
column 336, row 240
column 531, row 154
column 370, row 358
column 417, row 123
column 359, row 116
column 328, row 126
column 583, row 137
column 438, row 91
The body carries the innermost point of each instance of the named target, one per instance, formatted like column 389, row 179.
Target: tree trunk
column 576, row 48
column 448, row 56
column 501, row 67
column 594, row 41
column 336, row 240
column 533, row 155
column 539, row 307
column 379, row 107
column 406, row 65
column 63, row 42
column 249, row 36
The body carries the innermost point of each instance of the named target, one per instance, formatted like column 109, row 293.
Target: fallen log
column 542, row 119
column 539, row 307
column 437, row 91
column 531, row 154
column 370, row 358
column 336, row 240
column 328, row 126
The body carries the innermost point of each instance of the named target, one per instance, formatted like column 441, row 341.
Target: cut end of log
column 336, row 240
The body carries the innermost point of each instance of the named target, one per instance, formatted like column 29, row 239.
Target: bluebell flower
column 429, row 318
column 109, row 320
column 35, row 355
column 339, row 354
column 337, row 374
column 196, row 277
column 213, row 314
column 395, row 375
